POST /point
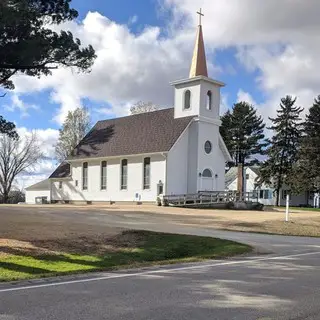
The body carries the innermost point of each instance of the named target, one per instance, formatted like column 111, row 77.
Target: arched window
column 124, row 174
column 146, row 173
column 207, row 173
column 103, row 177
column 85, row 176
column 209, row 100
column 187, row 99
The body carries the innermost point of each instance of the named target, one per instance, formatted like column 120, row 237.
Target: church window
column 146, row 173
column 208, row 147
column 209, row 100
column 60, row 184
column 124, row 174
column 207, row 173
column 104, row 175
column 187, row 99
column 85, row 176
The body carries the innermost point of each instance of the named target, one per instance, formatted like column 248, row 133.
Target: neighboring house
column 40, row 189
column 138, row 157
column 264, row 193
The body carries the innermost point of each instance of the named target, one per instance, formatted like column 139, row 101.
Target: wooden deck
column 209, row 198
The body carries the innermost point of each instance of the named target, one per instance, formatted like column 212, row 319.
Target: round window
column 208, row 147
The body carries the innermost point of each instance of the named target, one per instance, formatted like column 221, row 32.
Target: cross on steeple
column 200, row 15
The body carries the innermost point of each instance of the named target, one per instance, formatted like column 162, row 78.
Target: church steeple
column 199, row 62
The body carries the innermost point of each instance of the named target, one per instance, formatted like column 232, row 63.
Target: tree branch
column 24, row 67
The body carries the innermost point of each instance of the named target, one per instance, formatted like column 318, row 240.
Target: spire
column 199, row 63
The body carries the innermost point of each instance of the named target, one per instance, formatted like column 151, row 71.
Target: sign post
column 287, row 207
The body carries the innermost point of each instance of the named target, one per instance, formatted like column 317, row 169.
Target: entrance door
column 206, row 180
column 207, row 184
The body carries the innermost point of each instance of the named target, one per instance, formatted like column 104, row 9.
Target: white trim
column 103, row 190
column 217, row 122
column 198, row 78
column 126, row 189
column 58, row 179
column 210, row 101
column 180, row 137
column 224, row 149
column 85, row 190
column 124, row 156
column 143, row 188
column 184, row 100
column 204, row 147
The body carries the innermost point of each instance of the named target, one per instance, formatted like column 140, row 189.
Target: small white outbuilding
column 41, row 189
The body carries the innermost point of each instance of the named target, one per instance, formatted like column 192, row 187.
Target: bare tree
column 142, row 107
column 16, row 156
column 74, row 128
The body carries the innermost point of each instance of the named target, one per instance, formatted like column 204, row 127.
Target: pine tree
column 75, row 127
column 243, row 133
column 282, row 152
column 306, row 175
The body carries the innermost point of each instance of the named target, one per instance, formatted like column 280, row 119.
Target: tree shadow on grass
column 21, row 268
column 128, row 248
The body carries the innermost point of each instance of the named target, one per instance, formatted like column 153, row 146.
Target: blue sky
column 143, row 45
column 146, row 13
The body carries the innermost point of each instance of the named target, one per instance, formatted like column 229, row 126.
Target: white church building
column 136, row 158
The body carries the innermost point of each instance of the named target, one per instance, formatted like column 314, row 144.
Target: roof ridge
column 138, row 114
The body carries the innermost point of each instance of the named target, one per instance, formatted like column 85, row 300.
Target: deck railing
column 209, row 197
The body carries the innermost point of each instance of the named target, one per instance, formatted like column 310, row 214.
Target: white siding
column 214, row 161
column 180, row 90
column 177, row 166
column 193, row 158
column 72, row 192
column 199, row 89
column 31, row 195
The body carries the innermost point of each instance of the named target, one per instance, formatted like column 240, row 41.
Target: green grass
column 148, row 248
column 297, row 208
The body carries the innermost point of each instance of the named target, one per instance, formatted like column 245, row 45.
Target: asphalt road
column 283, row 284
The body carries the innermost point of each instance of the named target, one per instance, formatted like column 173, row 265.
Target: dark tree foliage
column 306, row 174
column 8, row 128
column 28, row 43
column 283, row 146
column 243, row 132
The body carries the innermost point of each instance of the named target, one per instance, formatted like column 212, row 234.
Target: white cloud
column 129, row 67
column 47, row 139
column 245, row 96
column 18, row 105
column 277, row 39
column 133, row 20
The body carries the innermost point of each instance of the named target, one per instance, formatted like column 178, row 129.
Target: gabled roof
column 63, row 171
column 231, row 175
column 255, row 169
column 149, row 132
column 42, row 185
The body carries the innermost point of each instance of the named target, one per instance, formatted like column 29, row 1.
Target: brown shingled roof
column 149, row 132
column 63, row 171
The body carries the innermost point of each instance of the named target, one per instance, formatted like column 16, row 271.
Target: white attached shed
column 40, row 189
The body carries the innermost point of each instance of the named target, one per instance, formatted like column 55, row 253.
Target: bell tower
column 198, row 95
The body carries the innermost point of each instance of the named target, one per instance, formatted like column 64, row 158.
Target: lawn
column 44, row 258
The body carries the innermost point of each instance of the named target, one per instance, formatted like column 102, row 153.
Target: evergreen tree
column 242, row 130
column 282, row 152
column 306, row 175
column 29, row 43
column 75, row 127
